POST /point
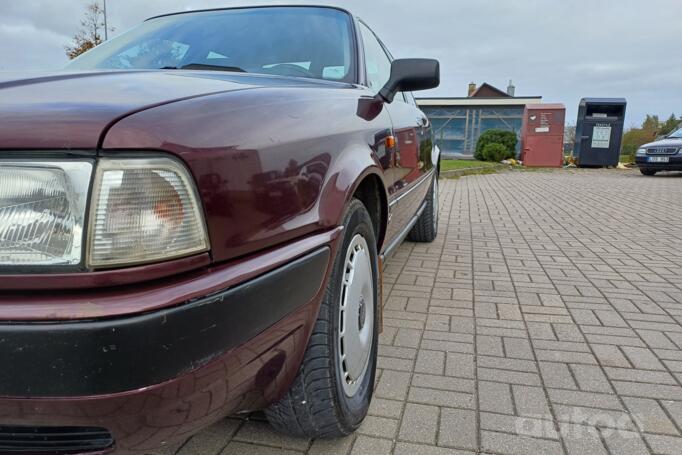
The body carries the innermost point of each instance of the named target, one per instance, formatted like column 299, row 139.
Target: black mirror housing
column 411, row 75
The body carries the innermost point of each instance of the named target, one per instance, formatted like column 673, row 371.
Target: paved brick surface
column 545, row 319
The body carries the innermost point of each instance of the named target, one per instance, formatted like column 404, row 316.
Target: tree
column 90, row 34
column 635, row 137
column 651, row 125
column 669, row 125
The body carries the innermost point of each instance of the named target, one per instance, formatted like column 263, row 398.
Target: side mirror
column 411, row 75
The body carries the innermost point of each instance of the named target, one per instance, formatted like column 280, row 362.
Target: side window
column 376, row 61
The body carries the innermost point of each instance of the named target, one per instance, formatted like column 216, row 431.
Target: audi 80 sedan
column 193, row 221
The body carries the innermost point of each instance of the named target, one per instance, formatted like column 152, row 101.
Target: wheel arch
column 370, row 189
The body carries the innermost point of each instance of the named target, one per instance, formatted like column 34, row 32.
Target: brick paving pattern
column 545, row 319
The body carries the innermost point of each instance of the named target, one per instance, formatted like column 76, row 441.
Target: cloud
column 562, row 50
column 23, row 46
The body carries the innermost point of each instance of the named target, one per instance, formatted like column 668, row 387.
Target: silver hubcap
column 356, row 316
column 435, row 204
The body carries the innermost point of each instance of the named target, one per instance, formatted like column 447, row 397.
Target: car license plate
column 659, row 159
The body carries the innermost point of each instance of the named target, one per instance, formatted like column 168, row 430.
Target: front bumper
column 674, row 164
column 160, row 376
column 113, row 356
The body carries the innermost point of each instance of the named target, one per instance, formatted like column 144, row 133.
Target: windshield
column 287, row 41
column 677, row 134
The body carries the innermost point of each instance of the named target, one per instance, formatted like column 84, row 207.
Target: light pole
column 106, row 28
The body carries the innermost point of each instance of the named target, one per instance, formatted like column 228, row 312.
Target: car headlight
column 143, row 210
column 42, row 212
column 641, row 152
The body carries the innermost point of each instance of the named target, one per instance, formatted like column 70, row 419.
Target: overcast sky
column 561, row 49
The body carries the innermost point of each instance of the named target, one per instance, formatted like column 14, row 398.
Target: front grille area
column 53, row 440
column 662, row 151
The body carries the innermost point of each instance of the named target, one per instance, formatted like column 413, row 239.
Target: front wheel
column 333, row 388
column 426, row 228
column 648, row 172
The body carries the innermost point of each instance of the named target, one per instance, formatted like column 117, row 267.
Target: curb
column 471, row 170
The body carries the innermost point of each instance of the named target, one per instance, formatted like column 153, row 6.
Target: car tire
column 426, row 228
column 333, row 389
column 648, row 172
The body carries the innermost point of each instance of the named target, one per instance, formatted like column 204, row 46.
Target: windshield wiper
column 202, row 66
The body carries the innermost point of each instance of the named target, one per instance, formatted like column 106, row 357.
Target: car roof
column 252, row 7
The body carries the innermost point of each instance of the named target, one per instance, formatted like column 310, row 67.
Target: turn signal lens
column 42, row 210
column 144, row 210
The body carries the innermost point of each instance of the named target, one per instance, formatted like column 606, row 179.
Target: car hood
column 671, row 142
column 74, row 110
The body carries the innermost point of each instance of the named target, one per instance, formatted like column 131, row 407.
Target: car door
column 377, row 66
column 410, row 129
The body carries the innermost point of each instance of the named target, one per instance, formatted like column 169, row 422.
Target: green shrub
column 628, row 152
column 506, row 138
column 496, row 152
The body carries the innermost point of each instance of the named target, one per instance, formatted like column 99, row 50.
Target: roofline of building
column 488, row 101
column 546, row 106
column 502, row 93
column 478, row 97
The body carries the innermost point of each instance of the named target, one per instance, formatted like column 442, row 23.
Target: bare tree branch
column 90, row 34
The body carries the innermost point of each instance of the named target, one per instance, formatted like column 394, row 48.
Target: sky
column 562, row 50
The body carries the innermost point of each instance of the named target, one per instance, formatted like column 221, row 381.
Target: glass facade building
column 458, row 122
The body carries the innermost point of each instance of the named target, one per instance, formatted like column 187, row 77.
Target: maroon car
column 193, row 221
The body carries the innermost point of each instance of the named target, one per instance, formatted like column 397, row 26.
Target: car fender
column 352, row 168
column 271, row 165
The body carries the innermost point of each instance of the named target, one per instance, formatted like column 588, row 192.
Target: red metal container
column 542, row 135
